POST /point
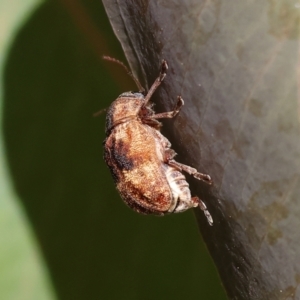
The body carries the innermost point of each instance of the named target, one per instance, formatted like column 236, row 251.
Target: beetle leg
column 181, row 167
column 169, row 154
column 152, row 122
column 170, row 114
column 158, row 81
column 204, row 209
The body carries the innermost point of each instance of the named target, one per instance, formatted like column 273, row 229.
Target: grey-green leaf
column 236, row 65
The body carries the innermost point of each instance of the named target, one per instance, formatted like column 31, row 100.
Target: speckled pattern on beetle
column 141, row 160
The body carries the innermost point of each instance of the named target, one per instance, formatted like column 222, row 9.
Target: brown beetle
column 140, row 158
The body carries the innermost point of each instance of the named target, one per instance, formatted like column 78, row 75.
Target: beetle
column 140, row 158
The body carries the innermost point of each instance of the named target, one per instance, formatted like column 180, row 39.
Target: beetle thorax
column 125, row 108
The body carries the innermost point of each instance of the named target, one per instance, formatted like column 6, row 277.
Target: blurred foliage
column 23, row 273
column 94, row 246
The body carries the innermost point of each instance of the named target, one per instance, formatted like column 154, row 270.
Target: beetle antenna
column 100, row 112
column 141, row 89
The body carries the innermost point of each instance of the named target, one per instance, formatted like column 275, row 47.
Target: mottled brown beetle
column 140, row 158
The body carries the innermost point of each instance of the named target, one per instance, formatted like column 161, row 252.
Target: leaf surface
column 236, row 66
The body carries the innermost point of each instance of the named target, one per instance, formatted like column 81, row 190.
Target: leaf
column 236, row 66
column 95, row 247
